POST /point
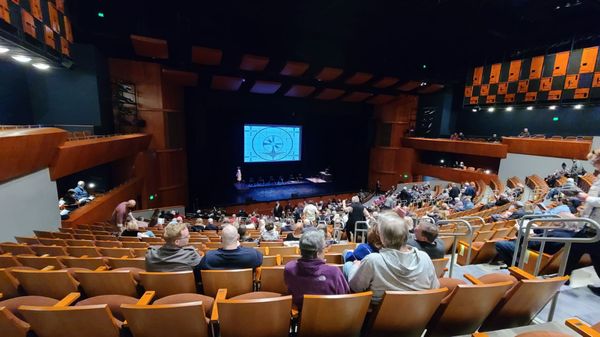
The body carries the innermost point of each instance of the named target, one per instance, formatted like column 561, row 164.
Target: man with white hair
column 356, row 212
column 397, row 266
column 310, row 211
column 80, row 192
column 231, row 255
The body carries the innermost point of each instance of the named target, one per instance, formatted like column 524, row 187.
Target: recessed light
column 441, row 161
column 553, row 107
column 578, row 106
column 529, row 108
column 509, row 108
column 423, row 84
column 474, row 110
column 487, row 171
column 491, row 109
column 4, row 50
column 41, row 66
column 21, row 58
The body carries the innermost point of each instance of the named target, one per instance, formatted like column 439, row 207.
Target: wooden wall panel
column 145, row 75
column 398, row 110
column 452, row 174
column 172, row 172
column 560, row 64
column 146, row 166
column 78, row 155
column 588, row 60
column 477, row 76
column 24, row 151
column 548, row 147
column 483, row 149
column 102, row 207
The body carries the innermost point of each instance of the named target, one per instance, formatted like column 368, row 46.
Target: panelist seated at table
column 81, row 194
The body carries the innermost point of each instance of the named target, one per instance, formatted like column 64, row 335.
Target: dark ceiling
column 392, row 38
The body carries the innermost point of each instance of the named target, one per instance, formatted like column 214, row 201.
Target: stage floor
column 279, row 192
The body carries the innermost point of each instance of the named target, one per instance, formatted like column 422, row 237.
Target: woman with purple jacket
column 310, row 274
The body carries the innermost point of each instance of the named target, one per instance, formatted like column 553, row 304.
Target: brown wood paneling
column 572, row 81
column 509, row 98
column 548, row 147
column 78, row 155
column 530, row 96
column 147, row 78
column 452, row 174
column 398, row 110
column 560, row 64
column 172, row 176
column 588, row 60
column 523, row 86
column 477, row 76
column 150, row 47
column 535, row 71
column 490, row 99
column 103, row 206
column 514, row 70
column 484, row 149
column 28, row 150
column 546, row 84
column 495, row 73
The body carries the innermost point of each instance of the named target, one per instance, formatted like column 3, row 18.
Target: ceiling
column 373, row 42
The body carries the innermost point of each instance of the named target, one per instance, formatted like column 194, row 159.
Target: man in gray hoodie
column 397, row 266
column 175, row 254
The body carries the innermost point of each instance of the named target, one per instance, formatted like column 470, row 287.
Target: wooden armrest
column 472, row 279
column 461, row 242
column 581, row 327
column 83, row 257
column 278, row 259
column 146, row 298
column 68, row 300
column 479, row 334
column 101, row 268
column 221, row 295
column 45, row 255
column 125, row 257
column 47, row 268
column 520, row 274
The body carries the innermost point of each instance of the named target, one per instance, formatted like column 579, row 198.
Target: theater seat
column 97, row 283
column 255, row 295
column 55, row 283
column 113, row 301
column 236, row 281
column 14, row 303
column 207, row 301
column 169, row 283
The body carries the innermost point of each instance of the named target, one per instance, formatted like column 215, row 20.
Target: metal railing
column 362, row 230
column 473, row 217
column 520, row 234
column 469, row 234
column 568, row 241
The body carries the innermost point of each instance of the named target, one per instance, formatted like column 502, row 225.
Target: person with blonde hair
column 397, row 266
column 175, row 254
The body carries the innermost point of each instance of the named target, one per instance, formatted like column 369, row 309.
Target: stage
column 283, row 190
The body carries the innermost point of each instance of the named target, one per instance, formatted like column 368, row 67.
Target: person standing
column 238, row 175
column 277, row 210
column 356, row 212
column 122, row 212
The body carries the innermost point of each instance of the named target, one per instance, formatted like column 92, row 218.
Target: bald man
column 122, row 212
column 231, row 255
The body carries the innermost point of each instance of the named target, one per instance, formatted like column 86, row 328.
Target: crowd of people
column 73, row 199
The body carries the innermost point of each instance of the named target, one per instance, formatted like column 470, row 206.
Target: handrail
column 566, row 249
column 456, row 235
column 474, row 217
column 426, row 218
column 523, row 249
column 362, row 230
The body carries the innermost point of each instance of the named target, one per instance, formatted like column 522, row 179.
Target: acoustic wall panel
column 588, row 60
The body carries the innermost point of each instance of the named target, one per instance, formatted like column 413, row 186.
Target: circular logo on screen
column 272, row 144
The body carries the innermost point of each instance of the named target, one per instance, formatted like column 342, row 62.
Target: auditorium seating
column 168, row 283
column 236, row 281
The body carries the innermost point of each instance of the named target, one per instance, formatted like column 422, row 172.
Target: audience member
column 270, row 233
column 231, row 255
column 397, row 266
column 175, row 254
column 356, row 212
column 80, row 192
column 525, row 133
column 373, row 245
column 210, row 226
column 131, row 229
column 122, row 212
column 426, row 239
column 310, row 274
column 244, row 236
column 310, row 211
column 295, row 236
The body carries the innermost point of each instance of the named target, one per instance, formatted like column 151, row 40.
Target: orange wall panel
column 588, row 60
column 477, row 76
column 495, row 73
column 535, row 71
column 560, row 64
column 514, row 70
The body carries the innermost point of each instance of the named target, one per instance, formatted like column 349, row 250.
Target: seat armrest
column 146, row 298
column 101, row 268
column 520, row 274
column 47, row 268
column 581, row 328
column 221, row 295
column 68, row 300
column 472, row 279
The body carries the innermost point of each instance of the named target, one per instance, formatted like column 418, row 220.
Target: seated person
column 231, row 255
column 80, row 192
column 515, row 211
column 244, row 236
column 426, row 239
column 270, row 233
column 198, row 225
column 397, row 266
column 310, row 274
column 131, row 229
column 525, row 133
column 210, row 226
column 373, row 245
column 175, row 254
column 296, row 234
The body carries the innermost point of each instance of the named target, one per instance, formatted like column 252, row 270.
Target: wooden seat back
column 334, row 258
column 90, row 263
column 55, row 283
column 213, row 244
column 109, row 244
column 420, row 304
column 522, row 303
column 132, row 244
column 8, row 260
column 153, row 241
column 482, row 236
column 96, row 283
column 340, row 248
column 38, row 262
column 53, row 242
column 16, row 249
column 501, row 233
column 43, row 234
column 249, row 244
column 27, row 240
column 9, row 285
column 287, row 258
column 271, row 279
column 270, row 261
column 236, row 281
column 80, row 243
column 283, row 250
column 50, row 250
column 246, row 317
column 81, row 251
column 168, row 283
column 86, row 237
column 115, row 263
column 128, row 239
column 116, row 252
column 185, row 319
column 11, row 326
column 440, row 266
column 262, row 250
column 271, row 244
column 71, row 321
column 106, row 238
column 334, row 315
column 463, row 311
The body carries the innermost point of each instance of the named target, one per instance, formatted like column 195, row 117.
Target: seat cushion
column 13, row 303
column 113, row 301
column 497, row 277
column 207, row 301
column 450, row 283
column 256, row 295
column 477, row 244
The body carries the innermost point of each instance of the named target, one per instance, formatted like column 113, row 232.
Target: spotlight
column 91, row 185
column 491, row 109
column 21, row 58
column 441, row 161
column 553, row 107
column 423, row 84
column 487, row 171
column 4, row 50
column 41, row 66
column 529, row 108
column 509, row 108
column 578, row 106
column 474, row 110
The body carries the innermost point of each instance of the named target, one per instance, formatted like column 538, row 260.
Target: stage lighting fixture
column 41, row 66
column 578, row 106
column 474, row 110
column 424, row 66
column 21, row 58
column 441, row 161
column 529, row 108
column 509, row 108
column 4, row 50
column 423, row 84
column 91, row 185
column 553, row 107
column 487, row 171
column 491, row 109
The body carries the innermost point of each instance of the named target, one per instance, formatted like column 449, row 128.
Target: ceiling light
column 578, row 106
column 91, row 185
column 491, row 109
column 21, row 58
column 509, row 108
column 423, row 84
column 529, row 108
column 4, row 50
column 41, row 66
column 553, row 107
column 487, row 171
column 474, row 110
